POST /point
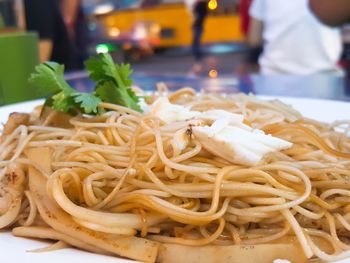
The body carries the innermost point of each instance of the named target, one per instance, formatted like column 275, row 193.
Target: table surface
column 322, row 86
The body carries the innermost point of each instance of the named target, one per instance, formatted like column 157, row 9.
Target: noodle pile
column 105, row 182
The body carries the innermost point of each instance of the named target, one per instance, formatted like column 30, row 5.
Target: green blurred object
column 105, row 48
column 18, row 57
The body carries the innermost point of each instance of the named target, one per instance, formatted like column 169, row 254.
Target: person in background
column 294, row 40
column 57, row 32
column 244, row 6
column 335, row 13
column 6, row 15
column 250, row 64
column 199, row 10
column 331, row 12
column 74, row 19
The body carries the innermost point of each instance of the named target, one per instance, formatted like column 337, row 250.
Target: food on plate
column 174, row 176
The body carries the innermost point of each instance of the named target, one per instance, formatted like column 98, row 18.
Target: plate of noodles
column 120, row 175
column 116, row 185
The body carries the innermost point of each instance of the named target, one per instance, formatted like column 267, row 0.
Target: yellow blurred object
column 213, row 73
column 113, row 32
column 212, row 5
column 173, row 23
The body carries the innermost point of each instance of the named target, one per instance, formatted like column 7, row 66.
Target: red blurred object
column 244, row 6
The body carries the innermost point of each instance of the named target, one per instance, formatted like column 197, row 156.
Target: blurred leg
column 196, row 43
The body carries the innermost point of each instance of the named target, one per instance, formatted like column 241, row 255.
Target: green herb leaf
column 94, row 67
column 125, row 72
column 113, row 82
column 62, row 102
column 88, row 102
column 49, row 78
column 113, row 85
column 107, row 93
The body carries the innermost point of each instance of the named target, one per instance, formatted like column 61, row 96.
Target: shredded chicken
column 15, row 119
column 11, row 187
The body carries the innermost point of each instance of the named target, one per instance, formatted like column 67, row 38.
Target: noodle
column 49, row 233
column 123, row 182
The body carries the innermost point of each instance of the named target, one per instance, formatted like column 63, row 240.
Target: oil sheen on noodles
column 116, row 184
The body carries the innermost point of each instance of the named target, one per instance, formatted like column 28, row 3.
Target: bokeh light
column 101, row 48
column 213, row 4
column 213, row 73
column 114, row 32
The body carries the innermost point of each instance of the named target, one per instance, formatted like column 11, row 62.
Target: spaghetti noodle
column 117, row 183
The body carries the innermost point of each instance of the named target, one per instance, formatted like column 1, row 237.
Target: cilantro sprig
column 106, row 74
column 112, row 85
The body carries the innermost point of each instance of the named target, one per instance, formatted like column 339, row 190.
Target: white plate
column 14, row 249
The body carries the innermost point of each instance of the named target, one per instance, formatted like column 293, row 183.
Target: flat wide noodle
column 264, row 253
column 49, row 233
column 130, row 247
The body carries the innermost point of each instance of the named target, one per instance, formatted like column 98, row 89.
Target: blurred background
column 289, row 48
column 157, row 35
